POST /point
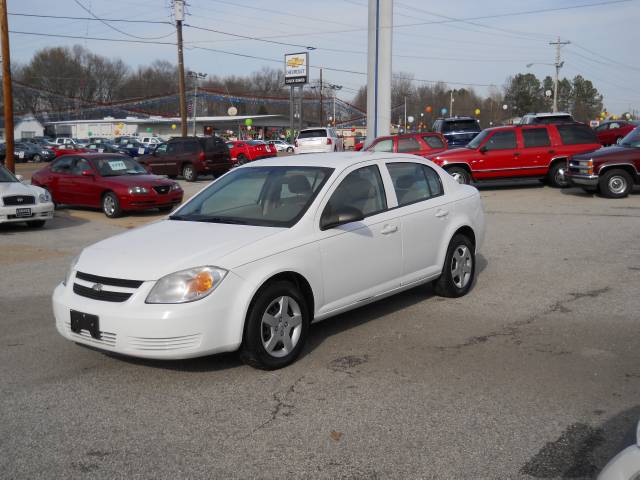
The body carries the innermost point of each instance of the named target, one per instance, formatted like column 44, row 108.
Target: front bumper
column 150, row 200
column 582, row 180
column 39, row 211
column 157, row 331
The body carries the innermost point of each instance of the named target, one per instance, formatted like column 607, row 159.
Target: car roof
column 548, row 114
column 338, row 160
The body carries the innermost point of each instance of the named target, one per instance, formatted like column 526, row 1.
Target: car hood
column 452, row 154
column 167, row 246
column 139, row 180
column 610, row 153
column 17, row 188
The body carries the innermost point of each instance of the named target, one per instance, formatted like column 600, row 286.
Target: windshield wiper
column 177, row 217
column 221, row 220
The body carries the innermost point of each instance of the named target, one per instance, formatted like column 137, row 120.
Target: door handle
column 516, row 154
column 551, row 151
column 442, row 213
column 387, row 229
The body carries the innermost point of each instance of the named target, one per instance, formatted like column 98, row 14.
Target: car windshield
column 477, row 140
column 461, row 126
column 255, row 142
column 632, row 139
column 319, row 132
column 275, row 196
column 117, row 166
column 6, row 175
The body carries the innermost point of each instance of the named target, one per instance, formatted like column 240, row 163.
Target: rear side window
column 361, row 189
column 576, row 134
column 535, row 137
column 408, row 144
column 191, row 147
column 433, row 141
column 502, row 141
column 320, row 132
column 414, row 182
column 385, row 145
column 174, row 148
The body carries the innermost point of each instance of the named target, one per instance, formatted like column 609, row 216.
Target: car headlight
column 175, row 187
column 186, row 285
column 45, row 152
column 44, row 197
column 72, row 267
column 136, row 190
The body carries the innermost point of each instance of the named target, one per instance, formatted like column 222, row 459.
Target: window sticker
column 117, row 165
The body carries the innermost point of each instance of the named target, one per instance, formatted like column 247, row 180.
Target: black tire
column 167, row 208
column 241, row 159
column 457, row 276
column 36, row 223
column 290, row 149
column 615, row 183
column 37, row 158
column 189, row 173
column 111, row 205
column 253, row 350
column 461, row 174
column 556, row 177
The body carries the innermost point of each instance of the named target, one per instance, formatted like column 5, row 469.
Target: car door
column 83, row 188
column 535, row 151
column 172, row 161
column 423, row 214
column 497, row 156
column 60, row 186
column 361, row 259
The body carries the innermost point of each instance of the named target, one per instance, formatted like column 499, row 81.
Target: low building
column 23, row 127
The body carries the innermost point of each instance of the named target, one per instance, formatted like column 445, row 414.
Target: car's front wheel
column 111, row 205
column 459, row 268
column 556, row 176
column 615, row 184
column 37, row 158
column 276, row 327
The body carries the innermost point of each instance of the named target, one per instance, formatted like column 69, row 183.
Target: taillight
column 201, row 157
column 329, row 141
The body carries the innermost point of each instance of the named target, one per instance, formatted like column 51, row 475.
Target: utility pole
column 405, row 114
column 179, row 13
column 451, row 104
column 321, row 112
column 558, row 66
column 7, row 94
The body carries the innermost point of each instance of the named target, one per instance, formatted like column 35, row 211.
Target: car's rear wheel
column 556, row 176
column 241, row 159
column 189, row 173
column 460, row 175
column 615, row 183
column 37, row 158
column 36, row 223
column 111, row 205
column 277, row 327
column 459, row 268
column 290, row 149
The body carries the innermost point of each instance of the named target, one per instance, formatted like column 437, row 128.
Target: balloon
column 173, row 126
column 90, row 133
column 248, row 122
column 428, row 109
column 410, row 119
column 444, row 111
column 248, row 127
column 353, row 129
column 505, row 106
column 121, row 125
column 232, row 111
column 477, row 111
column 148, row 129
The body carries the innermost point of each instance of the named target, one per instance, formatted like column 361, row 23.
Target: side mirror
column 88, row 173
column 619, row 141
column 483, row 149
column 340, row 217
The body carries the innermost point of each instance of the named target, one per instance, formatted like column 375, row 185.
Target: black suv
column 189, row 157
column 457, row 130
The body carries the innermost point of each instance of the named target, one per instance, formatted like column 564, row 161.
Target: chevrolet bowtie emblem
column 97, row 287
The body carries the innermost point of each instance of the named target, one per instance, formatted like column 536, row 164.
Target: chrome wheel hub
column 461, row 266
column 109, row 205
column 617, row 184
column 281, row 326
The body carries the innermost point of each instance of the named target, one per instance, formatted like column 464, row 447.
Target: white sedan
column 268, row 248
column 23, row 203
column 281, row 145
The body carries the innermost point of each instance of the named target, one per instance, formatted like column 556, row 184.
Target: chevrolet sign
column 296, row 68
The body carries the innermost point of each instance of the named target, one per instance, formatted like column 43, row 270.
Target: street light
column 558, row 65
column 196, row 76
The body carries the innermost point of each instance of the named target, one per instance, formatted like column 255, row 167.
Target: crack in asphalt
column 513, row 329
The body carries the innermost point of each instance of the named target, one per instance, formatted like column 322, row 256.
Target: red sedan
column 67, row 149
column 243, row 151
column 610, row 132
column 422, row 144
column 114, row 183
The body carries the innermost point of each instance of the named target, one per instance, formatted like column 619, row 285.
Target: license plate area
column 23, row 212
column 85, row 321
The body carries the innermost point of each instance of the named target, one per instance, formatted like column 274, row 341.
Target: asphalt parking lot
column 534, row 374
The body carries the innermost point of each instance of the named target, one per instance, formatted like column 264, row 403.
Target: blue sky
column 603, row 48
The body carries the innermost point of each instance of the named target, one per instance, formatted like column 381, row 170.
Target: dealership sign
column 296, row 68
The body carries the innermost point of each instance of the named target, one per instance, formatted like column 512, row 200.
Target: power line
column 249, row 37
column 64, row 17
column 117, row 29
column 78, row 37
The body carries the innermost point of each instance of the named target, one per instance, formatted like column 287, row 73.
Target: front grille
column 19, row 200
column 103, row 295
column 106, row 338
column 163, row 189
column 166, row 343
column 116, row 282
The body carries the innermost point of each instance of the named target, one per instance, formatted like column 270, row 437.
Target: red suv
column 189, row 157
column 422, row 144
column 533, row 151
column 610, row 132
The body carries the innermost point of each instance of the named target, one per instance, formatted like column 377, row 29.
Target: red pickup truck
column 530, row 151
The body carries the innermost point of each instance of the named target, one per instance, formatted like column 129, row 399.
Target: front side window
column 62, row 165
column 501, row 141
column 535, row 137
column 80, row 166
column 408, row 144
column 433, row 141
column 267, row 196
column 385, row 145
column 362, row 189
column 161, row 149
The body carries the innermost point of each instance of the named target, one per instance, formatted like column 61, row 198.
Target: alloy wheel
column 461, row 266
column 281, row 326
column 109, row 205
column 617, row 184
